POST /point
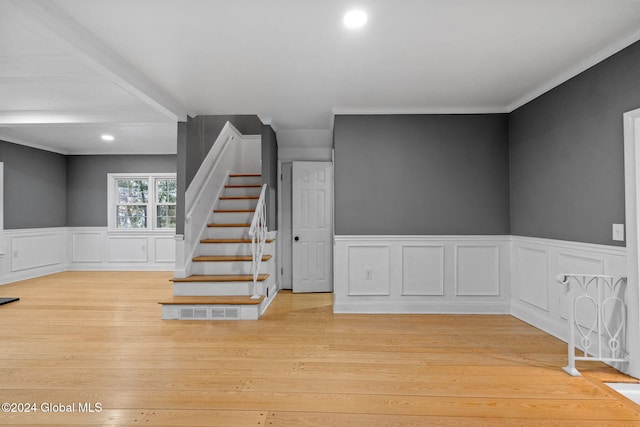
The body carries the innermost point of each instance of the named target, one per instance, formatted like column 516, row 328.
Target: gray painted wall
column 202, row 132
column 87, row 183
column 567, row 154
column 421, row 174
column 34, row 187
column 195, row 138
column 270, row 174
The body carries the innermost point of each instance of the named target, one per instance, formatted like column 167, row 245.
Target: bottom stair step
column 222, row 300
column 227, row 258
column 221, row 278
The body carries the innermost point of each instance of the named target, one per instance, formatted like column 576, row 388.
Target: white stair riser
column 237, row 204
column 250, row 191
column 227, row 233
column 232, row 267
column 231, row 249
column 212, row 289
column 232, row 217
column 234, row 180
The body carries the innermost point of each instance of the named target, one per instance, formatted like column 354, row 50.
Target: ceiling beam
column 18, row 118
column 52, row 23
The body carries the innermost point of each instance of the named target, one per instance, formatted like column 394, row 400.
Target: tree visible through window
column 166, row 192
column 142, row 202
column 133, row 197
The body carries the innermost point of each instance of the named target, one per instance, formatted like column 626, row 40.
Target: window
column 142, row 202
column 166, row 203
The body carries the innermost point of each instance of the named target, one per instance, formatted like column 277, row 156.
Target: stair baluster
column 258, row 235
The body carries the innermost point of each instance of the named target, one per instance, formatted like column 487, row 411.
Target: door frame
column 1, row 197
column 285, row 226
column 631, row 120
column 331, row 201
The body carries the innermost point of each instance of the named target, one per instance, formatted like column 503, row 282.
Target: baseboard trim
column 31, row 274
column 360, row 307
column 118, row 267
column 521, row 310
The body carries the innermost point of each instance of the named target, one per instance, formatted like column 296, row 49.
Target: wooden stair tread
column 221, row 278
column 233, row 210
column 245, row 175
column 223, row 225
column 230, row 241
column 227, row 258
column 239, row 197
column 221, row 300
column 243, row 186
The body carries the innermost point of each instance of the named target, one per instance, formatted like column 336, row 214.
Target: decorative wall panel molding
column 421, row 274
column 536, row 296
column 164, row 249
column 32, row 250
column 532, row 275
column 368, row 267
column 86, row 247
column 416, row 259
column 477, row 270
column 94, row 248
column 30, row 253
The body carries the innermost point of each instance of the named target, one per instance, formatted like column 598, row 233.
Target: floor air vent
column 218, row 313
column 232, row 313
column 205, row 313
column 186, row 313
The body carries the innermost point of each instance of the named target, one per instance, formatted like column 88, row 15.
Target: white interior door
column 312, row 218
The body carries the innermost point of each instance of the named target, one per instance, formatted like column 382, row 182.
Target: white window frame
column 151, row 204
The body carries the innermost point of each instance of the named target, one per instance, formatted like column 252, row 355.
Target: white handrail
column 258, row 234
column 597, row 311
column 203, row 192
column 198, row 187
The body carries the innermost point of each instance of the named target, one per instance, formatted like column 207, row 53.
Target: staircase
column 221, row 283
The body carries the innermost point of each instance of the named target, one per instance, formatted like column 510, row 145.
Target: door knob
column 296, row 238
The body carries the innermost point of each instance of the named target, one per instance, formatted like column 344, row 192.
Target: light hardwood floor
column 97, row 338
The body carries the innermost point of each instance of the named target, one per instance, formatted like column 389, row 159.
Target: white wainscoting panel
column 422, row 274
column 536, row 296
column 368, row 270
column 94, row 248
column 127, row 249
column 36, row 250
column 416, row 259
column 32, row 253
column 164, row 249
column 532, row 276
column 86, row 247
column 477, row 270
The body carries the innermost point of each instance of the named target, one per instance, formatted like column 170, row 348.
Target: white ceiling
column 73, row 69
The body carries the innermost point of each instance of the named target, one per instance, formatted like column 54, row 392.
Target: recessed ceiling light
column 107, row 138
column 355, row 19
